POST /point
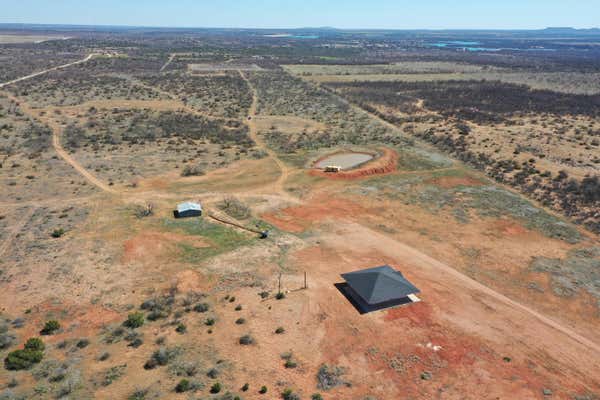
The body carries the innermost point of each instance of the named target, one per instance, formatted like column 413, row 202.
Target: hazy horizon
column 271, row 14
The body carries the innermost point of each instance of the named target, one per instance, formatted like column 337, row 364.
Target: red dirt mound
column 385, row 164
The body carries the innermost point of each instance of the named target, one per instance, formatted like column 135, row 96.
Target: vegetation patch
column 223, row 239
column 579, row 270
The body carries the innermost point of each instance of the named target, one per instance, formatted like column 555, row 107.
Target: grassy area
column 221, row 238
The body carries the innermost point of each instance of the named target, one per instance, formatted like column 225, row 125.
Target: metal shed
column 188, row 209
column 376, row 288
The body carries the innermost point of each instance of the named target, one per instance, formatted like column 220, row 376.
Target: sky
column 345, row 14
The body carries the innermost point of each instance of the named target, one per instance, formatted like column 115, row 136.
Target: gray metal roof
column 187, row 206
column 379, row 284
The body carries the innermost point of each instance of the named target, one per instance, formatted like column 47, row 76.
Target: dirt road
column 278, row 185
column 169, row 61
column 23, row 78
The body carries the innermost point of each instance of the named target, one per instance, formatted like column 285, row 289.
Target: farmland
column 480, row 186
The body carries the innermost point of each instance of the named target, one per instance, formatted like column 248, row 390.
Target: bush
column 138, row 394
column 240, row 321
column 6, row 340
column 238, row 307
column 192, row 170
column 35, row 344
column 161, row 357
column 82, row 343
column 246, row 340
column 181, row 328
column 245, row 387
column 215, row 388
column 263, row 390
column 316, row 396
column 213, row 373
column 209, row 322
column 288, row 394
column 32, row 353
column 280, row 330
column 50, row 327
column 57, row 233
column 134, row 320
column 280, row 296
column 183, row 386
column 290, row 363
column 329, row 377
column 202, row 307
column 234, row 208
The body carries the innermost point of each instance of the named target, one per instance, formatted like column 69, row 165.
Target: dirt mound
column 385, row 164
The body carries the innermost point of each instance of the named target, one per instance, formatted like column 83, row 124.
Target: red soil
column 299, row 218
column 449, row 182
column 385, row 164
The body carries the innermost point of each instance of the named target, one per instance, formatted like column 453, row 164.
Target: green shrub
column 35, row 344
column 288, row 394
column 240, row 321
column 280, row 296
column 57, row 233
column 134, row 320
column 316, row 396
column 181, row 328
column 183, row 386
column 263, row 390
column 280, row 330
column 215, row 388
column 209, row 322
column 238, row 307
column 50, row 327
column 32, row 353
column 245, row 387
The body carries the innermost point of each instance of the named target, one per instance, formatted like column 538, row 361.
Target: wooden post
column 279, row 288
column 305, row 285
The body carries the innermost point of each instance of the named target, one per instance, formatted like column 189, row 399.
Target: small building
column 188, row 209
column 333, row 168
column 377, row 288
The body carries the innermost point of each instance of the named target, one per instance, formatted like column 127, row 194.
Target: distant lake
column 473, row 46
column 290, row 36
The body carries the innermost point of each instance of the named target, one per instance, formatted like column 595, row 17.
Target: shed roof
column 379, row 284
column 187, row 206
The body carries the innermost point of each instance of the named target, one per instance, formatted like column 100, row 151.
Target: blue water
column 472, row 46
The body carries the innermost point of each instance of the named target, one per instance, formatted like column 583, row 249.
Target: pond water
column 344, row 160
